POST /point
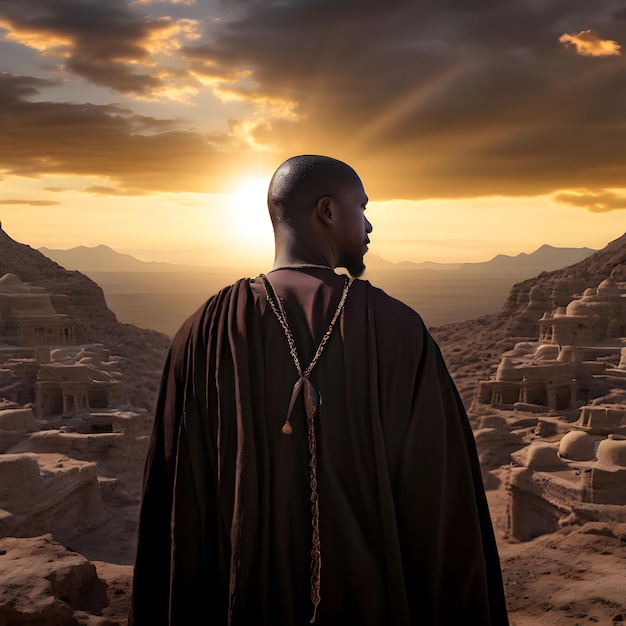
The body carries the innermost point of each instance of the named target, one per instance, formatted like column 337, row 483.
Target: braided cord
column 279, row 311
column 316, row 546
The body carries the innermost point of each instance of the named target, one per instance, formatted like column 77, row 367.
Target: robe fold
column 225, row 522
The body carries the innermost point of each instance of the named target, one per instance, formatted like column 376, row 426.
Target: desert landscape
column 543, row 380
column 161, row 295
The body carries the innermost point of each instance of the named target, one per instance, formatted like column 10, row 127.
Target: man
column 311, row 460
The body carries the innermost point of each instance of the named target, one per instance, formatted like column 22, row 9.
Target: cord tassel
column 287, row 429
column 312, row 402
column 312, row 399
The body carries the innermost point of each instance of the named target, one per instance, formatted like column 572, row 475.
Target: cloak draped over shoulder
column 225, row 522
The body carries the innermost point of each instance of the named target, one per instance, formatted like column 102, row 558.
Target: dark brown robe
column 225, row 524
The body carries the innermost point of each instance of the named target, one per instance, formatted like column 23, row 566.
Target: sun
column 249, row 219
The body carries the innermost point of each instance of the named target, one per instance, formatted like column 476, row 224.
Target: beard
column 355, row 265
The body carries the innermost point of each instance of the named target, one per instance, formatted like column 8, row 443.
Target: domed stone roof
column 506, row 370
column 60, row 356
column 542, row 455
column 10, row 283
column 547, row 352
column 578, row 307
column 577, row 446
column 608, row 288
column 612, row 452
column 522, row 348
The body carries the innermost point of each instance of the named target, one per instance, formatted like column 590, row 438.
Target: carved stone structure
column 573, row 471
column 28, row 318
column 14, row 424
column 558, row 373
column 45, row 492
column 601, row 419
column 598, row 315
column 51, row 483
column 555, row 484
column 541, row 379
column 67, row 384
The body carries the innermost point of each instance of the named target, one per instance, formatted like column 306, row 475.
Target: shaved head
column 301, row 181
column 317, row 205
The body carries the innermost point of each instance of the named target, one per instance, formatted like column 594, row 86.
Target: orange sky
column 153, row 127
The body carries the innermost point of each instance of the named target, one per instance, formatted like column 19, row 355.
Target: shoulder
column 388, row 308
column 398, row 328
column 215, row 306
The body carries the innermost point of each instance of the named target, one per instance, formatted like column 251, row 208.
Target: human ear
column 324, row 209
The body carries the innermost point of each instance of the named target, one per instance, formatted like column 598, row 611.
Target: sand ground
column 575, row 577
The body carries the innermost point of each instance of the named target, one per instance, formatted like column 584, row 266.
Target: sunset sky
column 153, row 127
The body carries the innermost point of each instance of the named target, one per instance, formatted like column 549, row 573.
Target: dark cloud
column 446, row 99
column 441, row 99
column 599, row 202
column 134, row 152
column 106, row 43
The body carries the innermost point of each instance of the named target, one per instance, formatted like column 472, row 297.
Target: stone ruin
column 67, row 383
column 66, row 435
column 556, row 409
column 41, row 493
column 28, row 318
column 575, row 479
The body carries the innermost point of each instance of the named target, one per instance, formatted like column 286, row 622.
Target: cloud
column 448, row 99
column 106, row 43
column 596, row 202
column 132, row 152
column 589, row 44
column 445, row 100
column 99, row 190
column 30, row 202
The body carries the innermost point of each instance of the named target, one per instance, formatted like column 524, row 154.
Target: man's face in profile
column 353, row 227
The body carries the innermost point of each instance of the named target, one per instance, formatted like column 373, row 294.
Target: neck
column 286, row 257
column 295, row 266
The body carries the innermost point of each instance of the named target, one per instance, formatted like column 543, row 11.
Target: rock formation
column 77, row 390
column 497, row 333
column 552, row 410
column 44, row 584
column 78, row 300
column 49, row 492
column 518, row 313
column 72, row 293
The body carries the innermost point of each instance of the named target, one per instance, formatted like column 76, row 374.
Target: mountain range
column 161, row 295
column 102, row 258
